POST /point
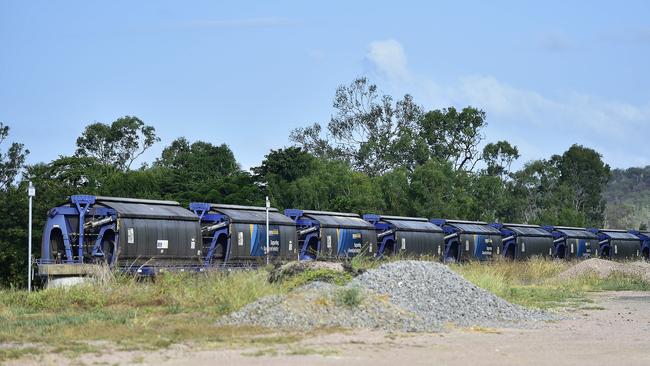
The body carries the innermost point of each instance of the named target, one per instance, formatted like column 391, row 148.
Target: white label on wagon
column 193, row 244
column 403, row 243
column 329, row 242
column 240, row 238
column 130, row 236
column 162, row 244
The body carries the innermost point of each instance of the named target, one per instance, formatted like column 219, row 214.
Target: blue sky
column 548, row 74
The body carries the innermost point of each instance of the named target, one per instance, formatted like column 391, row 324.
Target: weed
column 534, row 283
column 11, row 353
column 349, row 296
column 311, row 351
column 322, row 274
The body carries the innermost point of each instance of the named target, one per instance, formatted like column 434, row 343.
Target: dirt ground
column 614, row 330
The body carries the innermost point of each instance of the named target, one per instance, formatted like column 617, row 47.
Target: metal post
column 31, row 192
column 268, row 205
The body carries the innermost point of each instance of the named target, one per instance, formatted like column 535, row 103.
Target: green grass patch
column 12, row 353
column 132, row 314
column 349, row 296
column 322, row 274
column 534, row 283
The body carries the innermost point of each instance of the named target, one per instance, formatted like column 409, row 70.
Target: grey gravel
column 604, row 268
column 316, row 305
column 439, row 295
column 398, row 296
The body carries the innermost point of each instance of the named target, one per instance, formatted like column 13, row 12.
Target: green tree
column 12, row 161
column 288, row 164
column 369, row 130
column 499, row 157
column 584, row 172
column 454, row 136
column 198, row 160
column 117, row 144
column 331, row 185
column 437, row 190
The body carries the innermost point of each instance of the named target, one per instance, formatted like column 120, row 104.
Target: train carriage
column 122, row 232
column 524, row 241
column 330, row 235
column 235, row 234
column 618, row 244
column 573, row 242
column 468, row 240
column 413, row 236
column 644, row 236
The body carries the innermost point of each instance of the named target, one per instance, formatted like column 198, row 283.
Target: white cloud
column 389, row 59
column 539, row 124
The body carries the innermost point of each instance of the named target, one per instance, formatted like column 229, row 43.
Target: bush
column 349, row 296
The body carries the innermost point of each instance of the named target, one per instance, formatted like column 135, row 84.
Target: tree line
column 376, row 154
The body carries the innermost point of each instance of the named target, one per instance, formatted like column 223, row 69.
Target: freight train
column 149, row 236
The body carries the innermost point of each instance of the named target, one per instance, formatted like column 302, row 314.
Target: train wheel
column 108, row 248
column 57, row 246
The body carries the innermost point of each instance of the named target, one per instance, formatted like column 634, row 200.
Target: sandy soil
column 615, row 330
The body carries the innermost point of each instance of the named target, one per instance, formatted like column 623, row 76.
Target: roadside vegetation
column 535, row 283
column 133, row 314
column 176, row 308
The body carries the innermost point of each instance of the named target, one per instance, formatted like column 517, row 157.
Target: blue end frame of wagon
column 509, row 239
column 385, row 232
column 450, row 234
column 645, row 243
column 308, row 228
column 202, row 210
column 58, row 218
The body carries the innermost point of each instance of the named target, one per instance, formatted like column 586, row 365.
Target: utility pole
column 268, row 205
column 31, row 192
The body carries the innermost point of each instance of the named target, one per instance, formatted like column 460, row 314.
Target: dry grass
column 535, row 283
column 134, row 314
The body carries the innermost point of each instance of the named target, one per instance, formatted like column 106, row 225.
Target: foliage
column 321, row 274
column 628, row 199
column 584, row 173
column 454, row 136
column 534, row 283
column 117, row 144
column 368, row 130
column 134, row 314
column 349, row 296
column 499, row 157
column 12, row 161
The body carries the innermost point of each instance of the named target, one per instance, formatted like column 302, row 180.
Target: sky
column 548, row 74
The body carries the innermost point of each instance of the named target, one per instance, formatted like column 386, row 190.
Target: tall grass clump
column 535, row 282
column 141, row 313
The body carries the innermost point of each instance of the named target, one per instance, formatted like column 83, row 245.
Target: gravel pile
column 439, row 295
column 318, row 305
column 397, row 296
column 605, row 268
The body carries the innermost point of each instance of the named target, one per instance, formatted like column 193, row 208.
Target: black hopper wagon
column 524, row 241
column 411, row 236
column 124, row 233
column 237, row 234
column 618, row 244
column 468, row 240
column 573, row 242
column 332, row 235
